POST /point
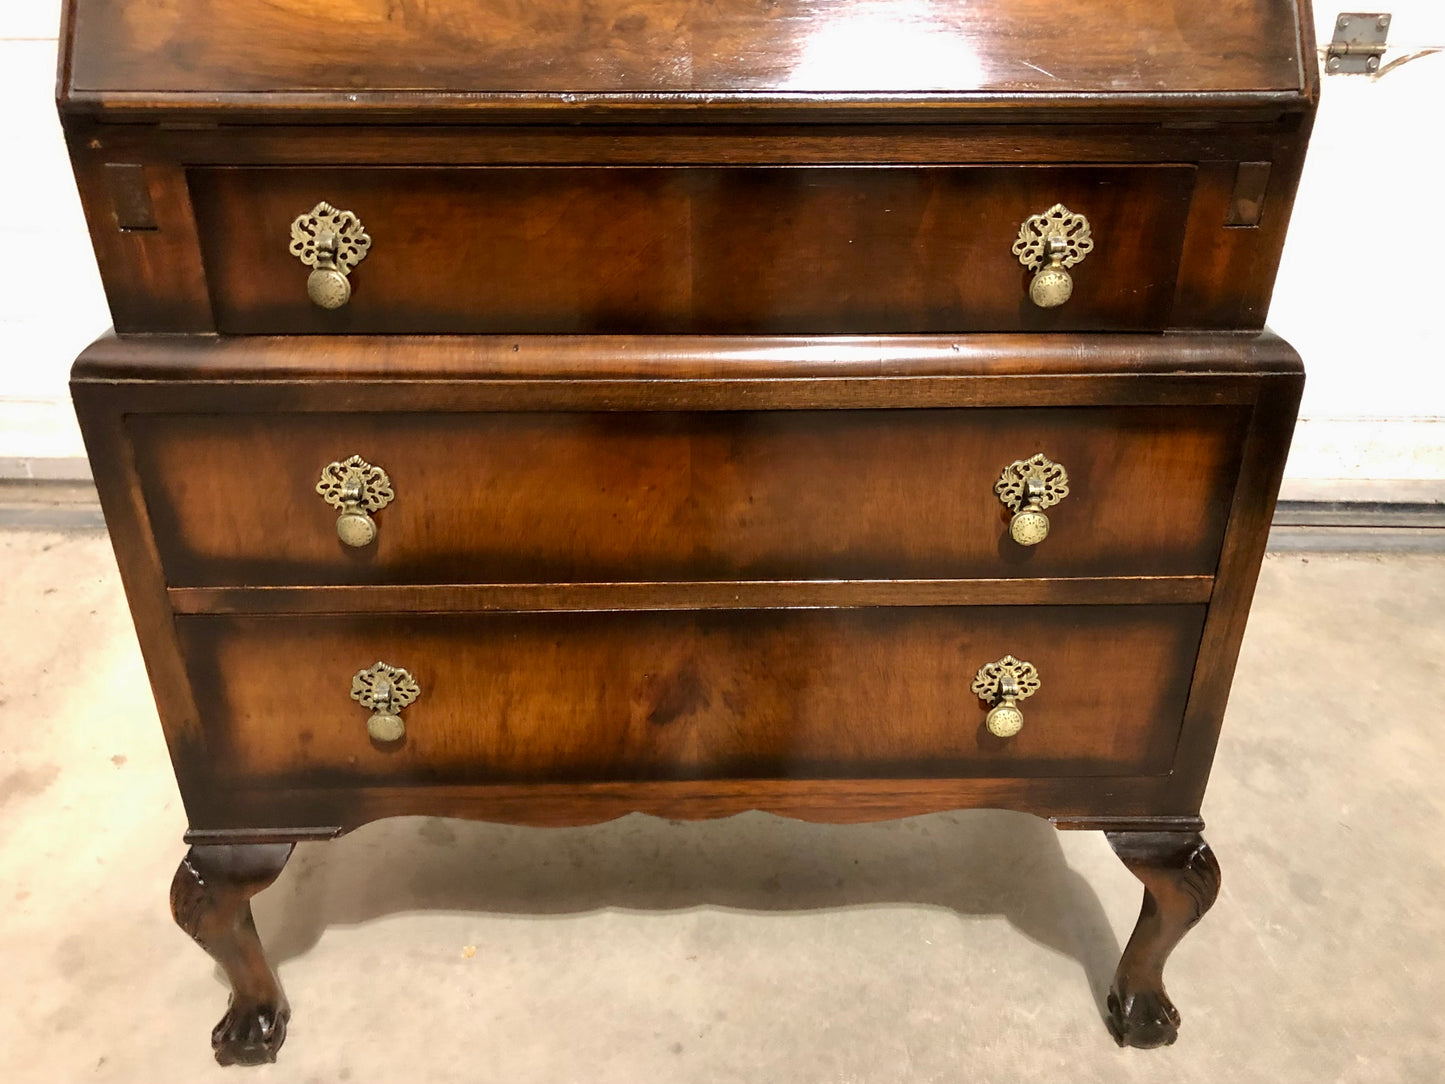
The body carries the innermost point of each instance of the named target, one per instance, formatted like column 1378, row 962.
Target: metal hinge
column 1359, row 43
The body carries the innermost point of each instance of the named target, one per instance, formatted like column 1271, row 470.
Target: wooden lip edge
column 690, row 595
column 655, row 394
column 113, row 358
column 412, row 106
column 1069, row 802
column 202, row 837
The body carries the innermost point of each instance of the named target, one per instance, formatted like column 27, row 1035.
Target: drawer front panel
column 722, row 694
column 691, row 248
column 628, row 497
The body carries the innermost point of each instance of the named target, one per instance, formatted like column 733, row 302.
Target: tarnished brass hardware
column 385, row 690
column 1028, row 486
column 357, row 489
column 1003, row 684
column 1048, row 244
column 332, row 242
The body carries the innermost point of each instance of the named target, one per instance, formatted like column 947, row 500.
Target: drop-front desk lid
column 560, row 60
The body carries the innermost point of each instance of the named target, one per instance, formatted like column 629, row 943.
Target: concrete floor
column 954, row 947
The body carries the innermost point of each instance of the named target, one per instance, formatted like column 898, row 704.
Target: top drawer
column 692, row 249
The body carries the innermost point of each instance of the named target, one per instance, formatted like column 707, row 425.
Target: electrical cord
column 1416, row 55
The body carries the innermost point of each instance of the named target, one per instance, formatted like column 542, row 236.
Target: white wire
column 1427, row 50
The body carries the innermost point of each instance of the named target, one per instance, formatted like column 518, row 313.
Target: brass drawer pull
column 1003, row 684
column 385, row 690
column 1049, row 243
column 332, row 242
column 356, row 489
column 1028, row 486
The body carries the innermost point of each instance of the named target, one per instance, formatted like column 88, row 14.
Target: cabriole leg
column 211, row 901
column 1181, row 882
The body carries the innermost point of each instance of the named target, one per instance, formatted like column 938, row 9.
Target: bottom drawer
column 748, row 694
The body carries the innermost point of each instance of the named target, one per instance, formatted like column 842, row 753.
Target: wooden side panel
column 154, row 279
column 133, row 539
column 587, row 497
column 692, row 249
column 720, row 695
column 1265, row 451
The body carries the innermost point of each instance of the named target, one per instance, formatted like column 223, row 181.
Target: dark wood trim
column 431, row 107
column 980, row 143
column 303, row 813
column 814, row 393
column 1128, row 824
column 724, row 595
column 208, row 837
column 261, row 835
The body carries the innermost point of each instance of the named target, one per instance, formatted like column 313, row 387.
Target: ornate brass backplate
column 385, row 690
column 1048, row 244
column 1028, row 486
column 356, row 488
column 1003, row 684
column 332, row 242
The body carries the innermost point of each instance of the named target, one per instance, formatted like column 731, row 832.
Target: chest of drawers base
column 688, row 577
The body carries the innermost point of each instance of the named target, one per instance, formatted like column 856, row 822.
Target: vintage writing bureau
column 540, row 412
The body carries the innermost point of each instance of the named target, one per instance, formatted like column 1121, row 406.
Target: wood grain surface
column 587, row 47
column 693, row 250
column 588, row 497
column 694, row 530
column 120, row 384
column 734, row 694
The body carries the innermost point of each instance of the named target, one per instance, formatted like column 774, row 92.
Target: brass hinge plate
column 1359, row 43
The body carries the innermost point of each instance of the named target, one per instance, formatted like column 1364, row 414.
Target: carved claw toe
column 1143, row 1019
column 250, row 1034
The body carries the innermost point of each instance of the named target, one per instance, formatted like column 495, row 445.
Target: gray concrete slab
column 971, row 946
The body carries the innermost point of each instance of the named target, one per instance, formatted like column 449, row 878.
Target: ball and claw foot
column 250, row 1034
column 211, row 901
column 1146, row 1019
column 1181, row 882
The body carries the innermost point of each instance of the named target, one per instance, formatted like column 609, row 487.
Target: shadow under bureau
column 544, row 442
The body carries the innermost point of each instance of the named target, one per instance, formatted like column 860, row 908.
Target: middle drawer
column 657, row 496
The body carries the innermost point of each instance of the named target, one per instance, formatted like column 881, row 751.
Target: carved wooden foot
column 1181, row 882
column 211, row 901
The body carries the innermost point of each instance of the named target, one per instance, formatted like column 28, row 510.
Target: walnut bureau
column 544, row 412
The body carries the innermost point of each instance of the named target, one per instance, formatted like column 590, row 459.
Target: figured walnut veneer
column 692, row 341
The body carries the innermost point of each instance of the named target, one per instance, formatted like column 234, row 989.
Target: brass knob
column 1003, row 684
column 356, row 489
column 1028, row 486
column 385, row 690
column 331, row 242
column 1048, row 244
